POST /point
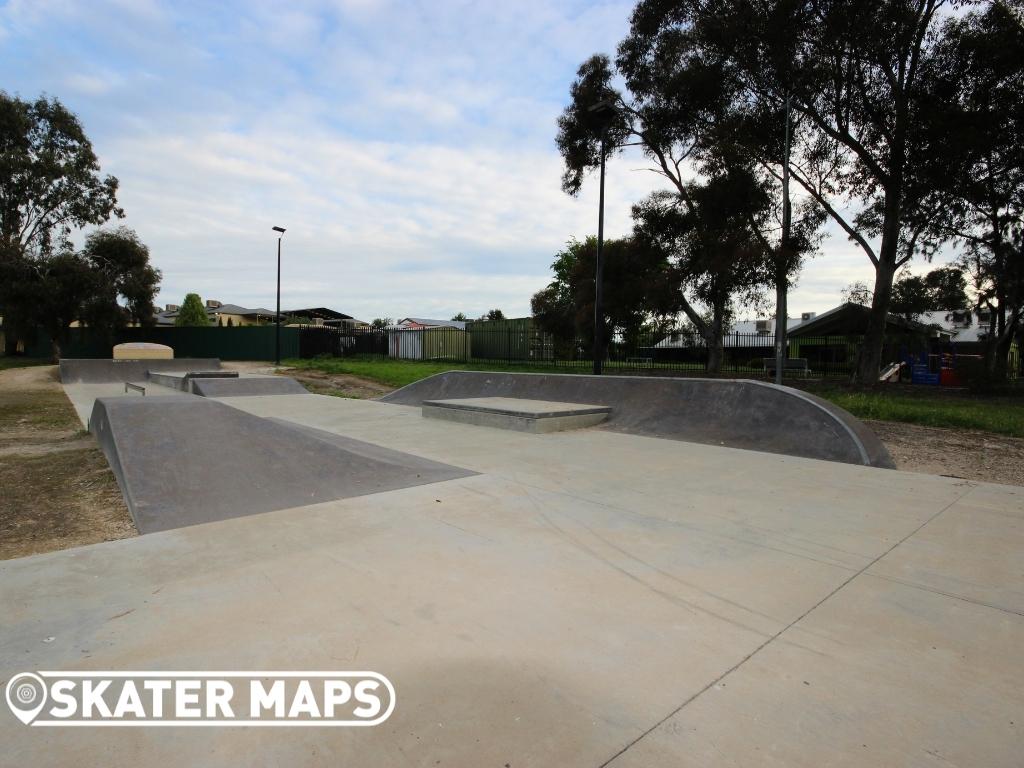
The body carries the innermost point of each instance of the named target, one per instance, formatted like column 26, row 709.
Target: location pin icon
column 26, row 695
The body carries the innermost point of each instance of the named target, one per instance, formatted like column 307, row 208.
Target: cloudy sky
column 407, row 146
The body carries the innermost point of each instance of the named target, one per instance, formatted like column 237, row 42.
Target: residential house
column 328, row 318
column 220, row 314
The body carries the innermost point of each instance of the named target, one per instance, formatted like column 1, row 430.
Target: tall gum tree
column 858, row 73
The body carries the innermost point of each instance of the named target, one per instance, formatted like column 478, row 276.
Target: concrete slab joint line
column 732, row 412
column 782, row 631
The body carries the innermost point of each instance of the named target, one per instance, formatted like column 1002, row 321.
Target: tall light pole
column 277, row 316
column 603, row 111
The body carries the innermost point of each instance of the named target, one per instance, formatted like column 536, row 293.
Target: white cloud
column 407, row 147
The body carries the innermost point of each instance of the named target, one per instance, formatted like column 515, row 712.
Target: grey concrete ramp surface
column 99, row 370
column 247, row 385
column 184, row 460
column 181, row 379
column 735, row 413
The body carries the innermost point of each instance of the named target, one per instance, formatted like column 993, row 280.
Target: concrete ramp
column 184, row 460
column 181, row 380
column 99, row 370
column 246, row 386
column 735, row 413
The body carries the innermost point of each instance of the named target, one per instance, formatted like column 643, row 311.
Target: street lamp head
column 278, row 229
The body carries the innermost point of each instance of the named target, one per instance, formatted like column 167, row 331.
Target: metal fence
column 521, row 345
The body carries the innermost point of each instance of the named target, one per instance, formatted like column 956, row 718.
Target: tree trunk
column 714, row 339
column 999, row 348
column 781, row 312
column 55, row 349
column 870, row 360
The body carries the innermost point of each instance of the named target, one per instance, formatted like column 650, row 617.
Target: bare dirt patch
column 56, row 489
column 338, row 384
column 60, row 500
column 967, row 454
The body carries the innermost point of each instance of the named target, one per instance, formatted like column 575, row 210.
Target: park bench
column 789, row 364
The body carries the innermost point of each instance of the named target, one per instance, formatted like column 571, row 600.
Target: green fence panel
column 243, row 343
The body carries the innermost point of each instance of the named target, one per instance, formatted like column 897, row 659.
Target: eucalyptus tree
column 858, row 75
column 692, row 122
column 981, row 146
column 50, row 185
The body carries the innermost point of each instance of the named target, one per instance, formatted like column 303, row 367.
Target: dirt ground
column 339, row 384
column 953, row 452
column 56, row 490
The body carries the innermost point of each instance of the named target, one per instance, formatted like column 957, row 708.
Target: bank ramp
column 736, row 413
column 183, row 460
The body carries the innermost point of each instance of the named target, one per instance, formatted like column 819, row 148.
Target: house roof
column 434, row 323
column 323, row 313
column 235, row 309
column 850, row 318
column 167, row 318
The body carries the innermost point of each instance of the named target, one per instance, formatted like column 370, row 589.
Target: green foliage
column 380, row 323
column 50, row 185
column 492, row 314
column 460, row 317
column 857, row 292
column 50, row 179
column 106, row 285
column 125, row 283
column 688, row 114
column 941, row 290
column 192, row 312
column 640, row 285
column 981, row 143
column 991, row 415
column 709, row 82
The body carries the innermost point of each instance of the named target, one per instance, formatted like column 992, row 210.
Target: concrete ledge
column 181, row 379
column 100, row 370
column 521, row 415
column 730, row 412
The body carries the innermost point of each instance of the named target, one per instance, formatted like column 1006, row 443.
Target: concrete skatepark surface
column 588, row 598
column 735, row 413
column 188, row 460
